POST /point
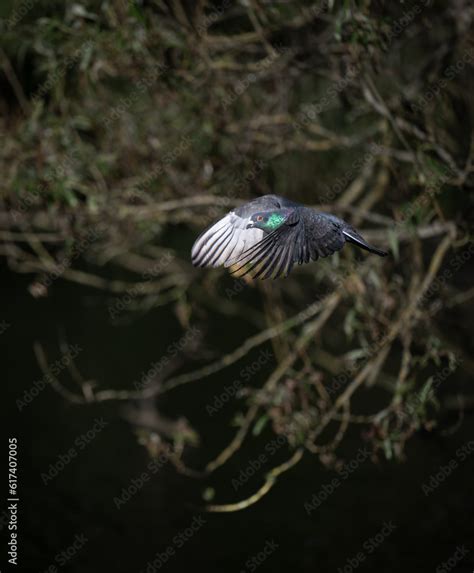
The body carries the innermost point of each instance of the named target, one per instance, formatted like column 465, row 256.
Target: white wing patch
column 224, row 242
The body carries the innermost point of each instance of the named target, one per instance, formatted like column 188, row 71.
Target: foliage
column 125, row 121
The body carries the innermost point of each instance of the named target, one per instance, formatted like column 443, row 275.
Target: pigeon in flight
column 267, row 236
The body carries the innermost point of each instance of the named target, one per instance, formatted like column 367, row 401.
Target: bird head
column 269, row 220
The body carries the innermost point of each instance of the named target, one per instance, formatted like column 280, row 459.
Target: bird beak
column 249, row 226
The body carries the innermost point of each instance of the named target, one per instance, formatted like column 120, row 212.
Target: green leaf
column 426, row 391
column 208, row 494
column 356, row 354
column 261, row 422
column 387, row 446
column 393, row 241
column 350, row 322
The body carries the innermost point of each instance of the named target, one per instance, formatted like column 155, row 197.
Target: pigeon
column 267, row 236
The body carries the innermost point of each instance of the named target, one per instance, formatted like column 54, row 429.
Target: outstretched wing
column 227, row 239
column 323, row 236
column 275, row 254
column 305, row 236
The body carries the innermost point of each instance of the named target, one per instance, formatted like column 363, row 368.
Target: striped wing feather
column 223, row 242
column 306, row 235
column 274, row 255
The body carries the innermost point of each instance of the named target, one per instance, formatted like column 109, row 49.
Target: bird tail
column 353, row 237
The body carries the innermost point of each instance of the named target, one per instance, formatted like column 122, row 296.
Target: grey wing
column 224, row 241
column 264, row 203
column 227, row 239
column 320, row 235
column 306, row 236
column 274, row 255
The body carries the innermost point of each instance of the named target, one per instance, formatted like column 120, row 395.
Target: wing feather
column 284, row 262
column 224, row 241
column 218, row 249
column 207, row 253
column 207, row 235
column 305, row 235
column 245, row 265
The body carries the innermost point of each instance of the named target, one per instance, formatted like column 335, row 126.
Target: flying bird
column 267, row 236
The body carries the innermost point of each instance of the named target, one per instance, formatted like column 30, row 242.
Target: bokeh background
column 170, row 418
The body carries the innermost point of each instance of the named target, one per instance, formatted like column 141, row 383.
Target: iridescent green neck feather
column 274, row 221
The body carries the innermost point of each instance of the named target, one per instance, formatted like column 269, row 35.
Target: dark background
column 150, row 119
column 80, row 499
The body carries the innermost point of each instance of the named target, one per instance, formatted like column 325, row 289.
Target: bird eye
column 259, row 218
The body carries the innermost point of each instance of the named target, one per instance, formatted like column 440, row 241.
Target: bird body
column 267, row 236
